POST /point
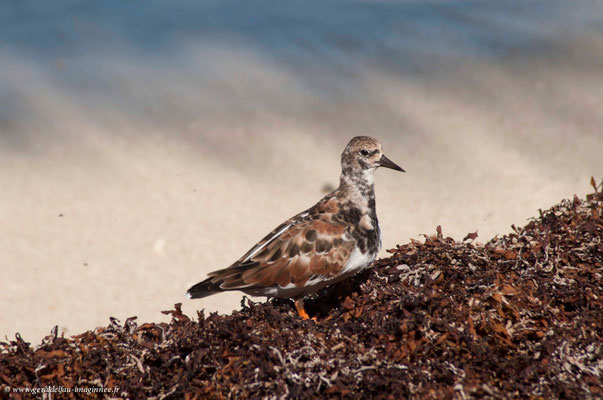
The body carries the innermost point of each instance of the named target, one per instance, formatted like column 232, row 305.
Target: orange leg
column 299, row 305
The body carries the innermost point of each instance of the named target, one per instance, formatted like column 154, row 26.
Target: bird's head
column 363, row 155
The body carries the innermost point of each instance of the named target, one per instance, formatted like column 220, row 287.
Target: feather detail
column 279, row 260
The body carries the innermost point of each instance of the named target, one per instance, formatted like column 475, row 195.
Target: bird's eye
column 364, row 152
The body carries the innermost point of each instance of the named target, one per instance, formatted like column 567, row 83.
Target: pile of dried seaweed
column 518, row 317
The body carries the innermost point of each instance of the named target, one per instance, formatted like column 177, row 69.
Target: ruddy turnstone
column 334, row 239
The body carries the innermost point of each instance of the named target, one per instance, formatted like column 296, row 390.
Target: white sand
column 142, row 149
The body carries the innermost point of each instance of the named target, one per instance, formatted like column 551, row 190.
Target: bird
column 334, row 239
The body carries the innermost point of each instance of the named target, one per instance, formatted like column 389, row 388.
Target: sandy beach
column 141, row 149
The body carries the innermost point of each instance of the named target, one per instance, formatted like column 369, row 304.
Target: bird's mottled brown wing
column 293, row 254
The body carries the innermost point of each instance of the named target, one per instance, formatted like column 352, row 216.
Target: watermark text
column 60, row 389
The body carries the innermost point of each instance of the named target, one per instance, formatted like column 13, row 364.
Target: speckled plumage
column 332, row 240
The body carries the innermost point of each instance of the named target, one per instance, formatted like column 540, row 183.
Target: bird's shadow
column 327, row 302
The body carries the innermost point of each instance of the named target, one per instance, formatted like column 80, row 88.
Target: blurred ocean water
column 166, row 62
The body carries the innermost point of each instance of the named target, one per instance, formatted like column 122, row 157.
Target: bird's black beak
column 387, row 163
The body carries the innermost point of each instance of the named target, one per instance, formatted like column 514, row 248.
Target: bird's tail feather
column 204, row 289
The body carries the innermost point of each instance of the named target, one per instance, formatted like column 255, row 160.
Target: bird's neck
column 359, row 189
